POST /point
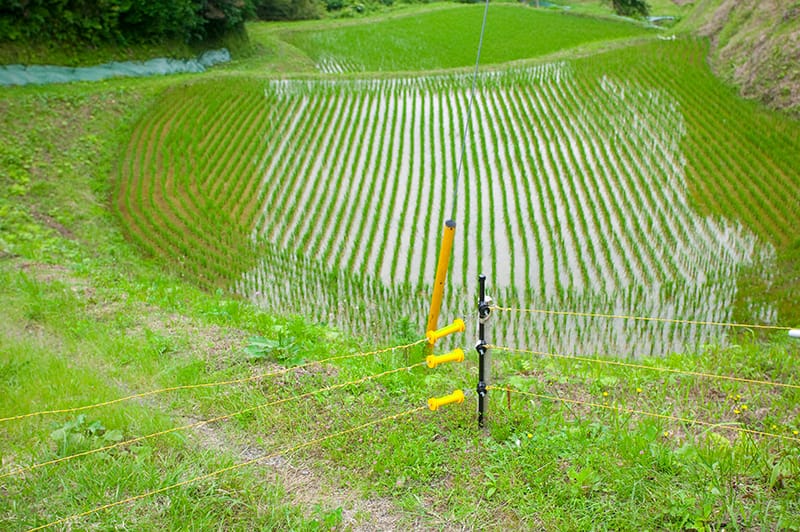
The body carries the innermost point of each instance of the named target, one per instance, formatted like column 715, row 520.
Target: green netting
column 42, row 74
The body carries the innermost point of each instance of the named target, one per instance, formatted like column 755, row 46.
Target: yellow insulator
column 456, row 355
column 435, row 402
column 457, row 326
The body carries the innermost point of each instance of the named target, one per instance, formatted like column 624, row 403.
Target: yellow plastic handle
column 435, row 402
column 457, row 326
column 456, row 355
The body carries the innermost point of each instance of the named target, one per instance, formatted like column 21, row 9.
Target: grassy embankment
column 85, row 318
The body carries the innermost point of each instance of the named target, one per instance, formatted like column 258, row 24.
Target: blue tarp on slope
column 41, row 75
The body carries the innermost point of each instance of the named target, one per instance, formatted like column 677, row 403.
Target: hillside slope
column 756, row 46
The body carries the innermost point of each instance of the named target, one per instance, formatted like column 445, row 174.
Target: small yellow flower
column 530, row 435
column 774, row 427
column 744, row 407
column 738, row 396
column 605, row 394
column 667, row 434
column 638, row 390
column 736, row 411
column 796, row 432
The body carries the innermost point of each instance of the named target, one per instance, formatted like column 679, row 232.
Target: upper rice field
column 629, row 181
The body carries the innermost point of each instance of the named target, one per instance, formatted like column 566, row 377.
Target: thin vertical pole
column 483, row 315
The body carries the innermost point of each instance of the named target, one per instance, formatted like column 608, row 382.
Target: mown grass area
column 448, row 38
column 84, row 317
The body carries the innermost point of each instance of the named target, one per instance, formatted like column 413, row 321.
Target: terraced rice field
column 592, row 185
column 447, row 37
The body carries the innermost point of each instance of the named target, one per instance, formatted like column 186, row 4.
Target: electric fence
column 486, row 307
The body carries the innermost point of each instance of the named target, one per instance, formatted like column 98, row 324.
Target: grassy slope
column 754, row 47
column 85, row 318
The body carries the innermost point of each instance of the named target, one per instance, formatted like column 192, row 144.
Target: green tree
column 119, row 21
column 630, row 8
column 288, row 9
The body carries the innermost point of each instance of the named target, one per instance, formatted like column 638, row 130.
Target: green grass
column 448, row 38
column 85, row 318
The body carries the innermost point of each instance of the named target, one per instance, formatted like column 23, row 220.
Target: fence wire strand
column 639, row 318
column 667, row 417
column 611, row 362
column 218, row 472
column 209, row 384
column 360, row 380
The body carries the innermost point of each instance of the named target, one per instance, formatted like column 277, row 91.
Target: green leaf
column 113, row 436
column 58, row 435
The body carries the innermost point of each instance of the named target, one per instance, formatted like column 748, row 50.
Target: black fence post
column 483, row 315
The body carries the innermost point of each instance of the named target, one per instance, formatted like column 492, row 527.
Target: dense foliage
column 288, row 9
column 119, row 21
column 630, row 8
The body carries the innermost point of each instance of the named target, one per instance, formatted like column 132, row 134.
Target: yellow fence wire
column 638, row 318
column 667, row 417
column 361, row 380
column 218, row 472
column 210, row 384
column 612, row 362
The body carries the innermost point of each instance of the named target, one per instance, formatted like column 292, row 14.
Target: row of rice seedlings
column 332, row 241
column 630, row 186
column 759, row 163
column 506, row 136
column 211, row 155
column 613, row 270
column 568, row 174
column 701, row 112
column 240, row 173
column 539, row 213
column 281, row 155
column 332, row 65
column 221, row 177
column 375, row 256
column 408, row 187
column 172, row 236
column 360, row 255
column 318, row 236
column 279, row 123
column 321, row 169
column 188, row 224
column 277, row 182
column 352, row 139
column 625, row 215
column 563, row 237
column 495, row 178
column 652, row 195
column 408, row 255
column 705, row 233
